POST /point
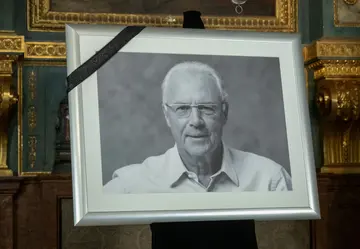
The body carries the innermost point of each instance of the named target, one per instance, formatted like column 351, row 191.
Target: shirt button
column 191, row 175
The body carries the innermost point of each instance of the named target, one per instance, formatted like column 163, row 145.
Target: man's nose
column 195, row 117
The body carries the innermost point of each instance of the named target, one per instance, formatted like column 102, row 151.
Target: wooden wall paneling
column 340, row 205
column 29, row 215
column 53, row 190
column 30, row 212
column 8, row 188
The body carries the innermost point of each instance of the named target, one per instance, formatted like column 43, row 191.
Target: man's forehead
column 192, row 79
column 192, row 89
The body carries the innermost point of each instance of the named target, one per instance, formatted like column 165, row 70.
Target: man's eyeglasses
column 184, row 110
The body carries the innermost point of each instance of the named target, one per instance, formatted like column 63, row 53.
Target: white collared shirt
column 166, row 173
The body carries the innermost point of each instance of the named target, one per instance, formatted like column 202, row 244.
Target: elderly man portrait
column 196, row 108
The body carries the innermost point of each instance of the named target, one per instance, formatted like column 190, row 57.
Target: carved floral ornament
column 339, row 100
column 350, row 2
column 338, row 88
column 336, row 75
column 336, row 71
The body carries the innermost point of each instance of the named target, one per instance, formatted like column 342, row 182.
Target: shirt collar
column 176, row 169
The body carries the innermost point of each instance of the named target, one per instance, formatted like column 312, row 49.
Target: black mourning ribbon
column 101, row 57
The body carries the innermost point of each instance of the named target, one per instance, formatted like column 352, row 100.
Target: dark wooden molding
column 9, row 186
column 30, row 211
column 339, row 204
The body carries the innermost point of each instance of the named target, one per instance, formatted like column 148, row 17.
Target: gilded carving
column 32, row 85
column 336, row 48
column 45, row 50
column 36, row 173
column 347, row 99
column 8, row 98
column 350, row 2
column 44, row 63
column 335, row 68
column 5, row 67
column 343, row 50
column 32, row 118
column 309, row 52
column 11, row 44
column 6, row 64
column 341, row 149
column 20, row 144
column 339, row 98
column 41, row 18
column 338, row 104
column 32, row 142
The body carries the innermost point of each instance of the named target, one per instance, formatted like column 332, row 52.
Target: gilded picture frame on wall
column 188, row 125
column 346, row 13
column 255, row 15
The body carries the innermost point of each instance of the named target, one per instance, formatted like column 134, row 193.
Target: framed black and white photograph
column 190, row 125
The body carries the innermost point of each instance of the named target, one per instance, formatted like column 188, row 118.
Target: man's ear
column 225, row 111
column 166, row 115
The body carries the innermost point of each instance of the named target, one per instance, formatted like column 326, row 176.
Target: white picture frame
column 94, row 207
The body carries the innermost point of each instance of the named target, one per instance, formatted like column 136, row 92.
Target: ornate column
column 10, row 48
column 336, row 73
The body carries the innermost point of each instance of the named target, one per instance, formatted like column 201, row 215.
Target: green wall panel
column 7, row 19
column 55, row 92
column 49, row 91
column 315, row 19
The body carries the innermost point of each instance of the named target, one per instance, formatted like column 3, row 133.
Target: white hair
column 197, row 66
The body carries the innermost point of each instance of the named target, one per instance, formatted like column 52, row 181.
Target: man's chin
column 196, row 152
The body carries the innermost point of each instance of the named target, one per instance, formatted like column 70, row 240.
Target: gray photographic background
column 132, row 124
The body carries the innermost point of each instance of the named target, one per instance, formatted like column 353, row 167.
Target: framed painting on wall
column 259, row 15
column 347, row 13
column 186, row 125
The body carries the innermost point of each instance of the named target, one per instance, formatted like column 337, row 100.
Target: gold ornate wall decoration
column 32, row 85
column 11, row 44
column 40, row 17
column 44, row 63
column 5, row 66
column 32, row 118
column 20, row 145
column 336, row 48
column 338, row 103
column 338, row 100
column 32, row 143
column 336, row 68
column 350, row 2
column 45, row 50
column 346, row 13
column 8, row 98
